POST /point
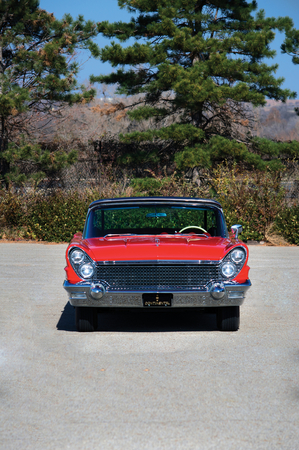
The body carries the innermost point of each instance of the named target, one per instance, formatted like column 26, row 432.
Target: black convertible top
column 154, row 200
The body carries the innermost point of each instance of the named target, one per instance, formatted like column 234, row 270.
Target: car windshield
column 154, row 219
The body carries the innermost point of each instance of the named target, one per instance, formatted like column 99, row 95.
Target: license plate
column 157, row 299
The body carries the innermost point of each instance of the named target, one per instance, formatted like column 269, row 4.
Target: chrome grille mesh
column 162, row 277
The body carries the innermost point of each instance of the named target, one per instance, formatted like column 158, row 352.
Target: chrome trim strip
column 120, row 235
column 157, row 262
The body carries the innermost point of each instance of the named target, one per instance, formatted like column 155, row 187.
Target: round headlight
column 238, row 255
column 77, row 256
column 86, row 270
column 228, row 270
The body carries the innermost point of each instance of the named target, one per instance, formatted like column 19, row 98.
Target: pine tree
column 196, row 66
column 291, row 47
column 291, row 44
column 37, row 75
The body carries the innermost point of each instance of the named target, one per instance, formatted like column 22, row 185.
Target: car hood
column 149, row 248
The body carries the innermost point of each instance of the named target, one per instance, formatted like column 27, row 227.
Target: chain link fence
column 101, row 161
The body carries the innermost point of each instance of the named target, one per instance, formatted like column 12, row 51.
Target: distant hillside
column 273, row 103
column 85, row 123
column 277, row 120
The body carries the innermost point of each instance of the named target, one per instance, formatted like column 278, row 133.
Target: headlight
column 238, row 255
column 228, row 269
column 77, row 256
column 233, row 262
column 86, row 270
column 82, row 264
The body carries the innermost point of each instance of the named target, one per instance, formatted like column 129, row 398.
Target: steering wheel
column 193, row 226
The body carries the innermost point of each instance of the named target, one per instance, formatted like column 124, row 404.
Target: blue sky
column 100, row 10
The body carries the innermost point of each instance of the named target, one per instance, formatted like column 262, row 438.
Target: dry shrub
column 254, row 200
column 287, row 223
column 250, row 199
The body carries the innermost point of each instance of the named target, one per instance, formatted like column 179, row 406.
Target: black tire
column 86, row 318
column 228, row 318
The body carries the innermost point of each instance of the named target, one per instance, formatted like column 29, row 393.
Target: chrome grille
column 162, row 277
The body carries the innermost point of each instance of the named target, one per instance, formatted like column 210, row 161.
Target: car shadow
column 121, row 320
column 66, row 321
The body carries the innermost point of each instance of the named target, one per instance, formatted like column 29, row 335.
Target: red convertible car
column 157, row 252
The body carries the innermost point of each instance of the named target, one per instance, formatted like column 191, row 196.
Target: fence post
column 97, row 145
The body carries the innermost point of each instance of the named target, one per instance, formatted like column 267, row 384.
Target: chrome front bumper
column 216, row 294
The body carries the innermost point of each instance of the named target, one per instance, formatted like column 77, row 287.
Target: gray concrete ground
column 146, row 380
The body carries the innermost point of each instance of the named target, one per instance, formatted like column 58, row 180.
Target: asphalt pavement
column 146, row 380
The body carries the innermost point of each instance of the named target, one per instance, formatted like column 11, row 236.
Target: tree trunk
column 4, row 165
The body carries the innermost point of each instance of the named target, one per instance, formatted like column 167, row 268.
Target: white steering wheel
column 193, row 226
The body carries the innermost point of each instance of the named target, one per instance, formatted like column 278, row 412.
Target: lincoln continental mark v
column 157, row 253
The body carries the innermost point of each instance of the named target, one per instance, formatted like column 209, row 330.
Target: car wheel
column 228, row 318
column 86, row 318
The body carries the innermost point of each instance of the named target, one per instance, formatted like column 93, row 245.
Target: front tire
column 86, row 319
column 228, row 318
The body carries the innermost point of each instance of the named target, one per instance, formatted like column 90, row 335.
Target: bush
column 166, row 186
column 250, row 200
column 287, row 224
column 52, row 218
column 254, row 200
column 150, row 186
column 10, row 210
column 56, row 218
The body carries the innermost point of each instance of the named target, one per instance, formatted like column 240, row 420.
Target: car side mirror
column 237, row 229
